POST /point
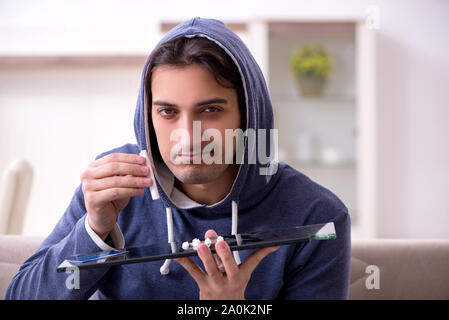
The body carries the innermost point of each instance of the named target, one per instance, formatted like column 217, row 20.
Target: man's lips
column 192, row 156
column 189, row 156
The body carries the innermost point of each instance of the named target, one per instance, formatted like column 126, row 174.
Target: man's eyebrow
column 198, row 104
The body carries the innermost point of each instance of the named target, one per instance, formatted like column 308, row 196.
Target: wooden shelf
column 325, row 100
column 328, row 28
column 71, row 61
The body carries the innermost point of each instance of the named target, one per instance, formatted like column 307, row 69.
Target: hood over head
column 251, row 182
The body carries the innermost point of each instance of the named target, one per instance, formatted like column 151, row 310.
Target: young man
column 199, row 79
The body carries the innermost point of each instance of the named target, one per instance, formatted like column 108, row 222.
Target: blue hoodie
column 286, row 198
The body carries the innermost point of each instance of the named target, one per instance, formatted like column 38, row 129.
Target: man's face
column 180, row 96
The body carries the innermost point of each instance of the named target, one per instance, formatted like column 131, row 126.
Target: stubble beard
column 198, row 173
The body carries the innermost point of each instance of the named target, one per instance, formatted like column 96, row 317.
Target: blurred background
column 359, row 89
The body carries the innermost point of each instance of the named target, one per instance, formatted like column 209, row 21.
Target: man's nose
column 193, row 127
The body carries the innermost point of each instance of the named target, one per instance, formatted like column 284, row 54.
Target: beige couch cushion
column 14, row 250
column 408, row 269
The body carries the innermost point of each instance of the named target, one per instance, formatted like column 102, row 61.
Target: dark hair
column 185, row 51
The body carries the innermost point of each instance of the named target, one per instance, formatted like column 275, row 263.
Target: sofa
column 380, row 269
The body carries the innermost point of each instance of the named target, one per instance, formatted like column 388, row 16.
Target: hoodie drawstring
column 165, row 269
column 235, row 217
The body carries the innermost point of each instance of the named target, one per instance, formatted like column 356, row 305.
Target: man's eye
column 166, row 112
column 211, row 109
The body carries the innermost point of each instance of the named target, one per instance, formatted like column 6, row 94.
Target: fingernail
column 147, row 181
column 220, row 246
column 140, row 159
column 144, row 169
column 202, row 249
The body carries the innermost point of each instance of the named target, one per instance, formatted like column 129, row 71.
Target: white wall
column 59, row 119
column 412, row 94
column 413, row 114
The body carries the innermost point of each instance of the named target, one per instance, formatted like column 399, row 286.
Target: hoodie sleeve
column 321, row 269
column 37, row 278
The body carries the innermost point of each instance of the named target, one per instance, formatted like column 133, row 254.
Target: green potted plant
column 311, row 67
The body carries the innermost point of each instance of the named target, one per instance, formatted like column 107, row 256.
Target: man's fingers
column 119, row 157
column 191, row 267
column 116, row 163
column 117, row 182
column 210, row 234
column 220, row 264
column 208, row 261
column 225, row 254
column 116, row 168
column 105, row 196
column 254, row 259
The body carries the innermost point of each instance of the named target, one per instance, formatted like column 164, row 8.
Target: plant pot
column 311, row 86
